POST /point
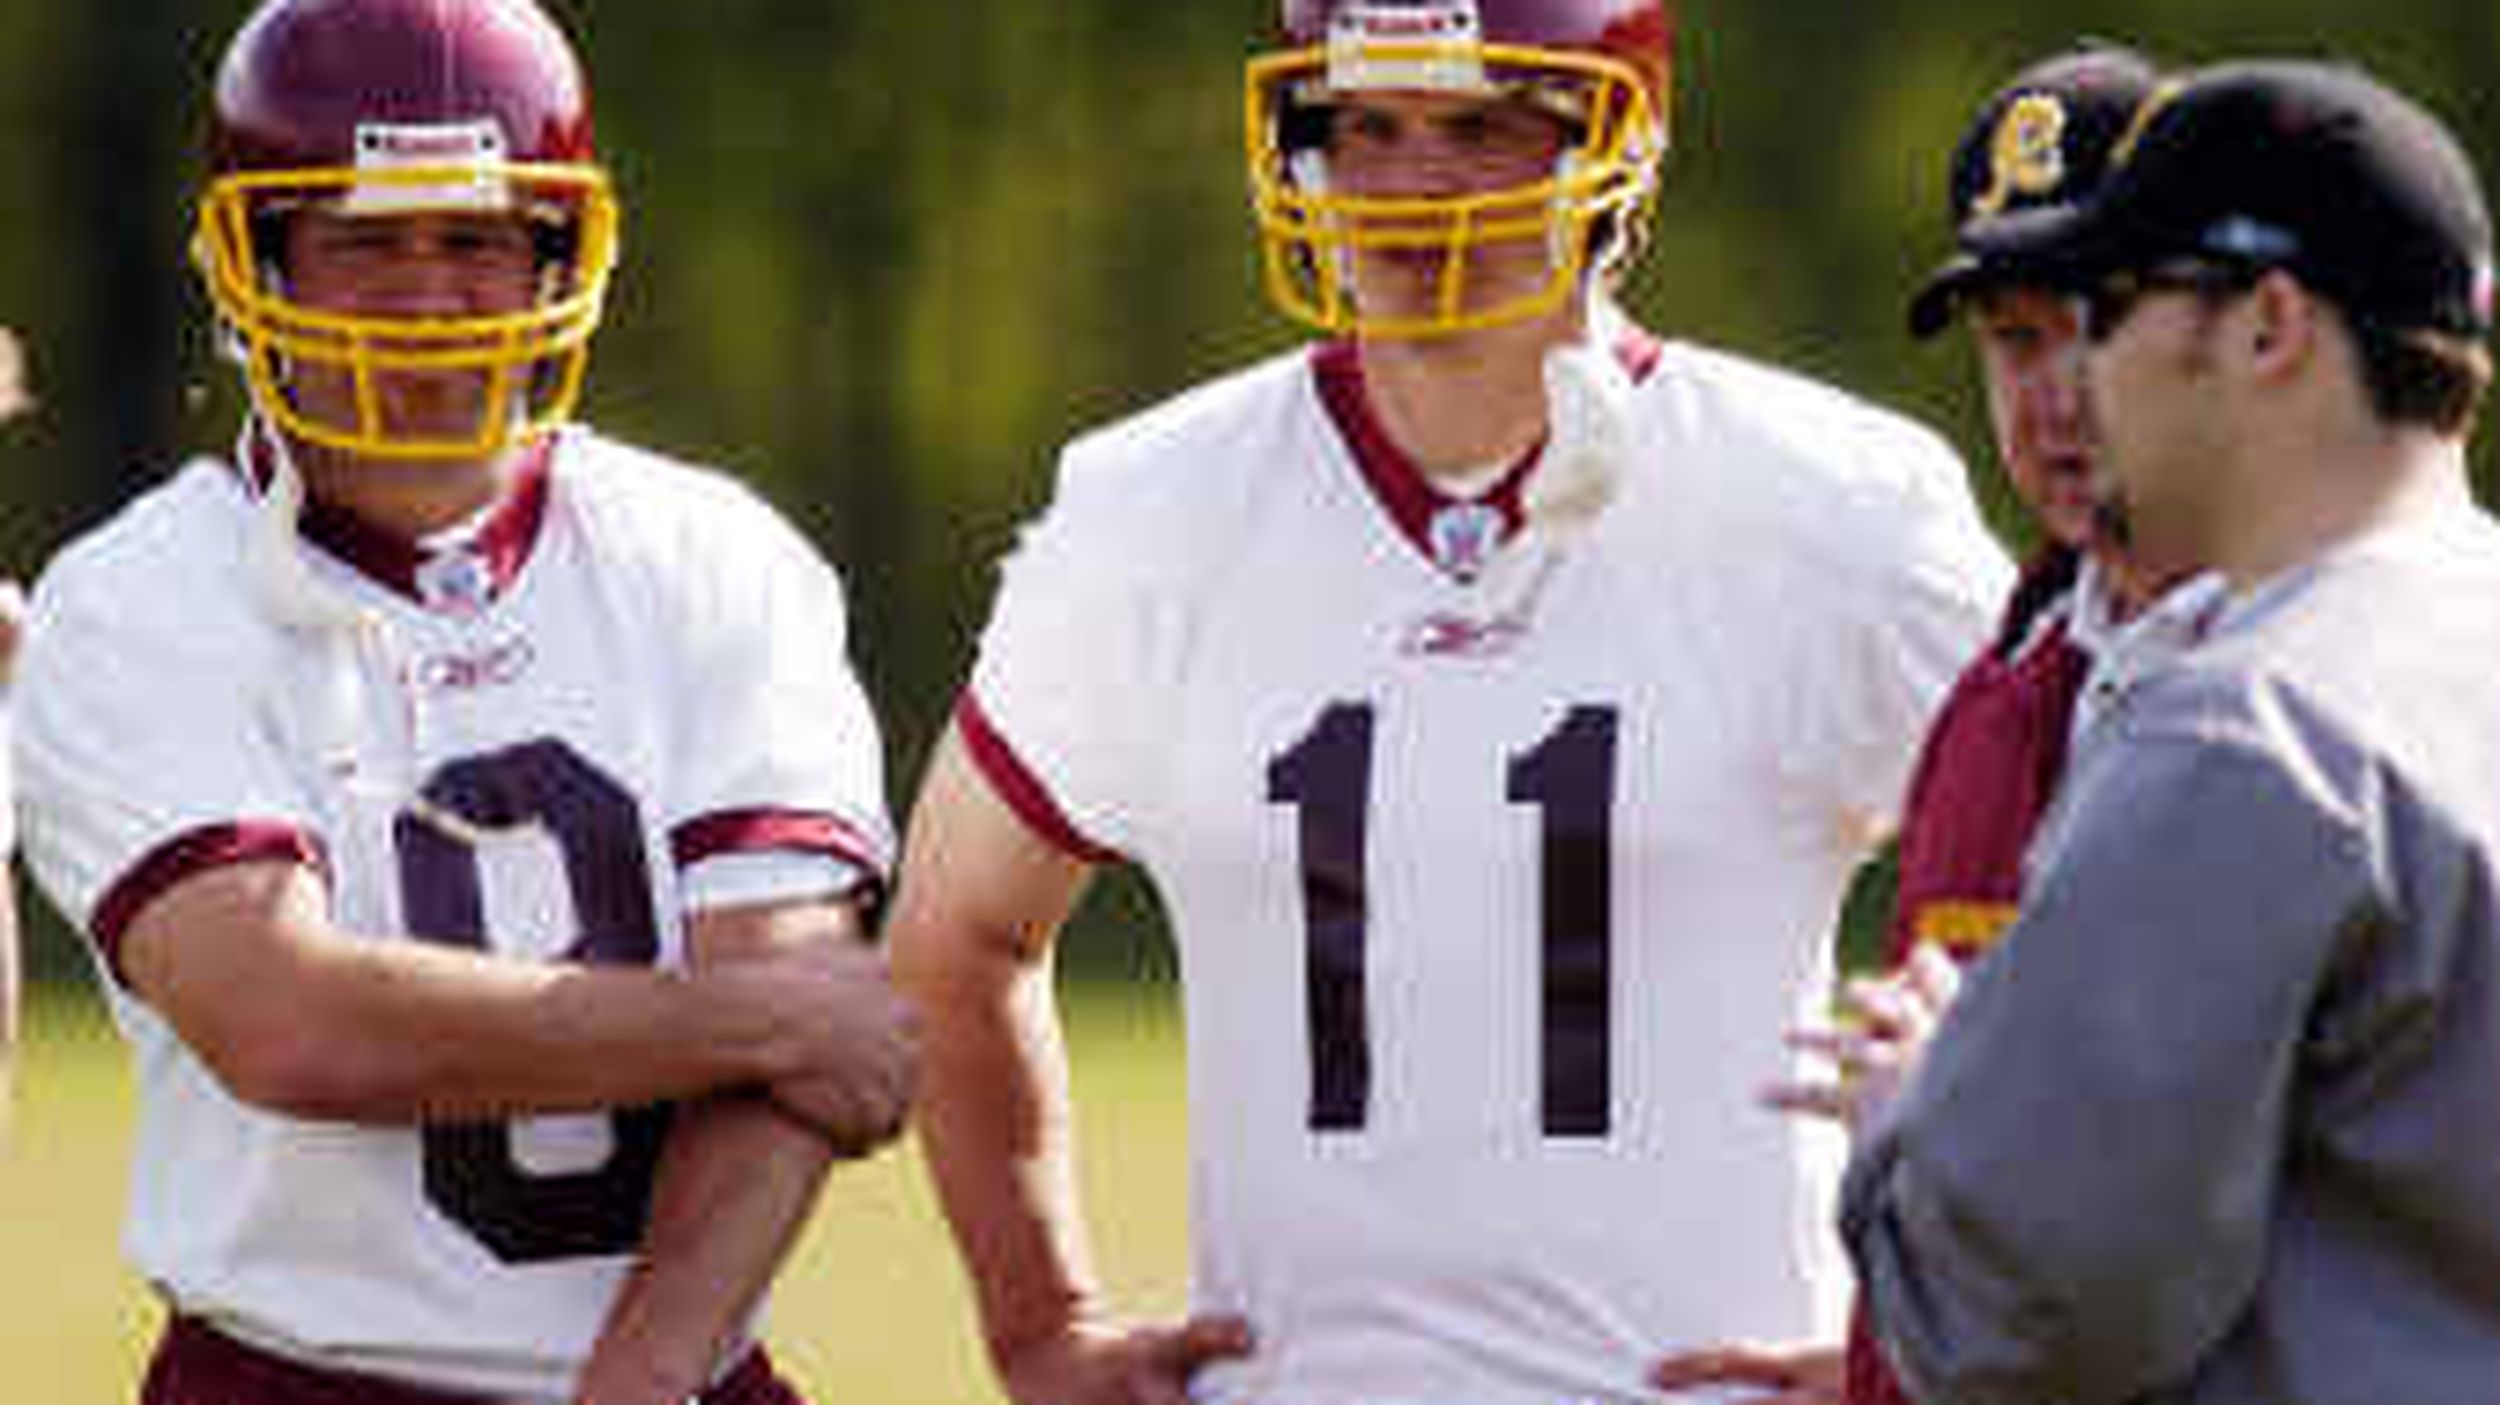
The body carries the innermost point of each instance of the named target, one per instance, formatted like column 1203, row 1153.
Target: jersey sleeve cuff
column 1016, row 784
column 765, row 829
column 765, row 854
column 187, row 855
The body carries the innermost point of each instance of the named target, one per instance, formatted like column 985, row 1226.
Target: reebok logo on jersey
column 492, row 666
column 1459, row 636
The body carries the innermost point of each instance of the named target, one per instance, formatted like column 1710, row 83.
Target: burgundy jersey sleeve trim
column 187, row 855
column 1016, row 784
column 765, row 829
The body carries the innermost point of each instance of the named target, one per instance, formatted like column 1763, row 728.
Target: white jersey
column 621, row 697
column 1492, row 899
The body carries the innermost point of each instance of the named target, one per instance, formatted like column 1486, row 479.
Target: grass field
column 871, row 1311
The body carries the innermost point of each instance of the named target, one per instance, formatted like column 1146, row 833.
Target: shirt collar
column 458, row 569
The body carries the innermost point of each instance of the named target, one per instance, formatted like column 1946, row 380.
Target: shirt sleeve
column 2071, row 1201
column 1920, row 602
column 784, row 782
column 1061, row 714
column 146, row 752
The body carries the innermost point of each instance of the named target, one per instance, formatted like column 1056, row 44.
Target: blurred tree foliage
column 882, row 257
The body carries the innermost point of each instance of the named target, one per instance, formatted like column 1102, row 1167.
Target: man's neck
column 1456, row 404
column 409, row 500
column 2336, row 493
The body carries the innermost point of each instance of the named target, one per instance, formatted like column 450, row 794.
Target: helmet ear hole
column 269, row 242
column 1302, row 126
column 556, row 243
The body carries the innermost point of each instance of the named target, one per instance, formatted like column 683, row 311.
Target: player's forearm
column 735, row 1189
column 996, row 1133
column 296, row 1016
column 391, row 1032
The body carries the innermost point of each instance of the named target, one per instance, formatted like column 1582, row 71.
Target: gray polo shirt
column 2220, row 1120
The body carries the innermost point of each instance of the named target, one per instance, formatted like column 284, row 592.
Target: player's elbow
column 298, row 1068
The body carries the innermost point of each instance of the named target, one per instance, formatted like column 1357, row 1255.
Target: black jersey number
column 472, row 1173
column 1570, row 777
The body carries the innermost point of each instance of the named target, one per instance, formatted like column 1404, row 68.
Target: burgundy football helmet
column 1604, row 64
column 393, row 108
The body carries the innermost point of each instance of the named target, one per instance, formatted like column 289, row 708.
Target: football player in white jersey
column 1499, row 699
column 472, row 816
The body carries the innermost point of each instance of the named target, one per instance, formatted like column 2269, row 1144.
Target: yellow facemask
column 532, row 360
column 1587, row 214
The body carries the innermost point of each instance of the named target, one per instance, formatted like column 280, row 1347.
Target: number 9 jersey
column 620, row 697
column 1500, row 841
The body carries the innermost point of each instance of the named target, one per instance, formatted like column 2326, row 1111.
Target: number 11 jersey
column 1497, row 856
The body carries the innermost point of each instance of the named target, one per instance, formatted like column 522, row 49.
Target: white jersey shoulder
column 631, row 495
column 190, row 527
column 1178, row 480
column 1834, row 474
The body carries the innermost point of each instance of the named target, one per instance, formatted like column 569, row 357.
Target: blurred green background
column 880, row 258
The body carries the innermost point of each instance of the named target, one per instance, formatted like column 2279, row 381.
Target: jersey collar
column 457, row 570
column 1456, row 534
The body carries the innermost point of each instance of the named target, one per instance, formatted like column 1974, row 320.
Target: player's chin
column 2067, row 504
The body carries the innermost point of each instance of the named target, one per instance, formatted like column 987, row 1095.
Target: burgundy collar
column 1401, row 489
column 501, row 542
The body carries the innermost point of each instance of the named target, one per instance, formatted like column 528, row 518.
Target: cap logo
column 2027, row 156
column 2252, row 240
column 1430, row 47
column 467, row 154
column 2160, row 98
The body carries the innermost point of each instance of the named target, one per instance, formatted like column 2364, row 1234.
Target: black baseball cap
column 2310, row 167
column 2044, row 139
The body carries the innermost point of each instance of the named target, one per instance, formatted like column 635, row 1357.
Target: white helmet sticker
column 1431, row 47
column 464, row 159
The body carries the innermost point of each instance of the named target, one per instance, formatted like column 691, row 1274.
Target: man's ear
column 2281, row 323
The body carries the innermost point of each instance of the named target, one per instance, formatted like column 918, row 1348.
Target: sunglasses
column 2106, row 301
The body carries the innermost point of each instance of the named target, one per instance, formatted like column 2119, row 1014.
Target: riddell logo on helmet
column 1431, row 47
column 1454, row 22
column 384, row 148
column 384, row 144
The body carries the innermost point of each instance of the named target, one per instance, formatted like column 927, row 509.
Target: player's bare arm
column 739, row 1176
column 297, row 1016
column 980, row 905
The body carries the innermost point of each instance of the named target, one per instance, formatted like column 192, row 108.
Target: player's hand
column 12, row 619
column 855, row 1044
column 1786, row 1375
column 1863, row 1058
column 1113, row 1364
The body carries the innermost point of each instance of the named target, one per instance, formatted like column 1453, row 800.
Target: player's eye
column 2020, row 341
column 1363, row 129
column 492, row 245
